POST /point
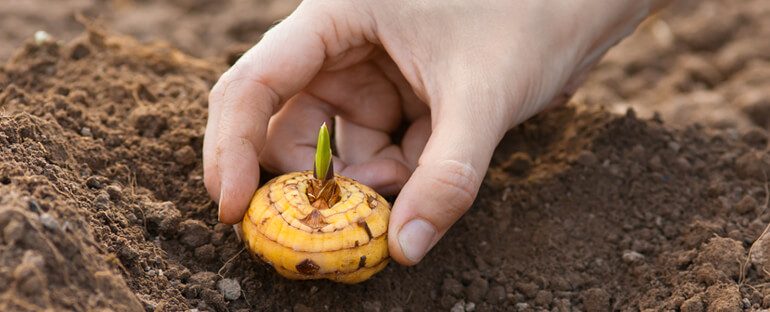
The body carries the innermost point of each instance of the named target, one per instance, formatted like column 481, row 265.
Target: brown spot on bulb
column 362, row 262
column 307, row 267
column 372, row 201
column 364, row 225
column 314, row 220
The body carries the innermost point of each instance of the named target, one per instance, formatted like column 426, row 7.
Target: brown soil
column 699, row 61
column 198, row 27
column 102, row 204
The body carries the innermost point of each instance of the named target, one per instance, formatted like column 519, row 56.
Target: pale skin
column 459, row 74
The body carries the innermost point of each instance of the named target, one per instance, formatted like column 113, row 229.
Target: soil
column 102, row 204
column 198, row 27
column 698, row 61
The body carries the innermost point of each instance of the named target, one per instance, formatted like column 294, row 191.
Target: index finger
column 242, row 101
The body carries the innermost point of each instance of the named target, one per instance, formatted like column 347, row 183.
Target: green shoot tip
column 323, row 155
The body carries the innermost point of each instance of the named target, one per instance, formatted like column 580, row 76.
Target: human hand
column 458, row 73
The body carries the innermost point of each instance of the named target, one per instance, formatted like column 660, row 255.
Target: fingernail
column 415, row 238
column 219, row 205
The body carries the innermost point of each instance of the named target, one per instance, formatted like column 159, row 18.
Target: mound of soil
column 102, row 205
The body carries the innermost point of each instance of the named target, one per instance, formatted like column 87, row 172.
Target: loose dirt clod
column 194, row 233
column 724, row 254
column 229, row 288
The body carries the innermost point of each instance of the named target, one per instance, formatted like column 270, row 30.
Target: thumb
column 443, row 186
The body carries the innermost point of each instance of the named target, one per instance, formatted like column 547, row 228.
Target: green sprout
column 323, row 155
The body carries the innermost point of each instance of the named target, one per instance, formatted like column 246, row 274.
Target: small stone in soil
column 49, row 222
column 204, row 279
column 229, row 288
column 115, row 192
column 630, row 256
column 458, row 307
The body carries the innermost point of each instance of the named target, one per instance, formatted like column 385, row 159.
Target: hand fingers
column 413, row 106
column 371, row 157
column 358, row 95
column 414, row 140
column 361, row 94
column 242, row 102
column 444, row 184
column 385, row 175
column 385, row 172
column 293, row 134
column 357, row 144
column 291, row 145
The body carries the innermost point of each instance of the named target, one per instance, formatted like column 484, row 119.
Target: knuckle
column 217, row 93
column 459, row 182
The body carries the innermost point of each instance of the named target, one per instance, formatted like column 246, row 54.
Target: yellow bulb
column 345, row 242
